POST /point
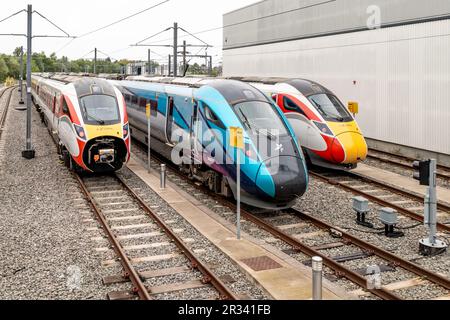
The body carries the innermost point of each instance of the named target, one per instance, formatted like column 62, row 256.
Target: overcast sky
column 82, row 16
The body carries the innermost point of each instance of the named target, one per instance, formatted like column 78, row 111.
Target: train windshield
column 260, row 118
column 100, row 109
column 330, row 108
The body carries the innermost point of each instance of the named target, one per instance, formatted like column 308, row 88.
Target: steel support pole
column 21, row 102
column 184, row 57
column 95, row 61
column 433, row 202
column 238, row 192
column 149, row 62
column 170, row 65
column 21, row 76
column 175, row 49
column 210, row 66
column 163, row 177
column 149, row 144
column 317, row 268
column 432, row 245
column 29, row 152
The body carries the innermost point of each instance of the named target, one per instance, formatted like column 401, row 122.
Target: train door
column 170, row 125
column 196, row 146
column 55, row 111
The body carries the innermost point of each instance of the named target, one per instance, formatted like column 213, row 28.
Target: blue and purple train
column 190, row 120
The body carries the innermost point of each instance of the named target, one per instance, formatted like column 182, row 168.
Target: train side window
column 134, row 99
column 142, row 102
column 212, row 117
column 292, row 106
column 154, row 104
column 65, row 108
column 54, row 104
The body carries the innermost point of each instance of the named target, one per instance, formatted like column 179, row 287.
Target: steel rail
column 398, row 261
column 340, row 269
column 6, row 108
column 347, row 239
column 439, row 166
column 296, row 244
column 131, row 272
column 404, row 165
column 404, row 211
column 208, row 275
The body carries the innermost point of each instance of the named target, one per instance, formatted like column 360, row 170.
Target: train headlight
column 80, row 132
column 126, row 131
column 323, row 128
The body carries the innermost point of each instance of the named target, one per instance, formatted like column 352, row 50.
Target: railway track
column 329, row 238
column 7, row 95
column 404, row 162
column 407, row 204
column 145, row 246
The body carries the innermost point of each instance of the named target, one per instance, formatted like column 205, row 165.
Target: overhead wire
column 52, row 23
column 14, row 14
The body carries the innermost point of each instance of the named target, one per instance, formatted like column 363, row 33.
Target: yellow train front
column 87, row 117
column 327, row 132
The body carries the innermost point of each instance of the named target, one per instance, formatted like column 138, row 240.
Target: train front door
column 170, row 125
column 195, row 135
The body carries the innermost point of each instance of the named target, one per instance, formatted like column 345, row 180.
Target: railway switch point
column 361, row 206
column 389, row 217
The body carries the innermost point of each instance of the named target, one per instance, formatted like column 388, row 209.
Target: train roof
column 305, row 86
column 84, row 85
column 233, row 91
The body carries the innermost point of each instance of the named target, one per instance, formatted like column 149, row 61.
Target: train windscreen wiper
column 88, row 115
column 247, row 122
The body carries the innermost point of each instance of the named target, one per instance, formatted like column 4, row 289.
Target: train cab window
column 330, row 108
column 292, row 106
column 100, row 109
column 212, row 117
column 65, row 108
column 261, row 117
column 134, row 100
column 127, row 97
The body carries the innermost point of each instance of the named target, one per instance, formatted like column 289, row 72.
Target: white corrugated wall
column 402, row 77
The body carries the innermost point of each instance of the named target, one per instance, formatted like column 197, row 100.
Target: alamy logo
column 74, row 278
column 373, row 275
column 212, row 147
column 374, row 20
column 280, row 148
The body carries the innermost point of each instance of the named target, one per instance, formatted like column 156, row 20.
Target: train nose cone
column 282, row 178
column 354, row 145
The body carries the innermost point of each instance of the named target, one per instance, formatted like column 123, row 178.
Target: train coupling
column 105, row 156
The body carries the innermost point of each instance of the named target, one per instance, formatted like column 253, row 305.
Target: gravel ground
column 334, row 206
column 219, row 263
column 247, row 227
column 445, row 183
column 46, row 254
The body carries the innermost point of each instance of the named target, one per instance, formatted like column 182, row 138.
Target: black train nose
column 283, row 178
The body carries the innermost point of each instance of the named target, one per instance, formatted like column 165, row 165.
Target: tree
column 3, row 69
column 13, row 66
column 17, row 52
